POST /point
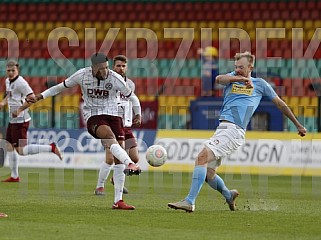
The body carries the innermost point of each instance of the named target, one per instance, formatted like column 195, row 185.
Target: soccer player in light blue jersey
column 242, row 95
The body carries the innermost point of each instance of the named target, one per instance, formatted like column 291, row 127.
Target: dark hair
column 120, row 58
column 12, row 63
column 98, row 58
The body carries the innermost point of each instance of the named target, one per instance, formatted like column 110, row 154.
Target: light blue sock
column 218, row 184
column 198, row 179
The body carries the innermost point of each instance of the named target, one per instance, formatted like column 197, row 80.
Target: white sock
column 36, row 148
column 13, row 163
column 103, row 174
column 119, row 181
column 120, row 154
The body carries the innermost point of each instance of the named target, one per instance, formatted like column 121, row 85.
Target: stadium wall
column 275, row 153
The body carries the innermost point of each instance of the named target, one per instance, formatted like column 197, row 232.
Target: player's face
column 242, row 67
column 100, row 70
column 12, row 72
column 120, row 67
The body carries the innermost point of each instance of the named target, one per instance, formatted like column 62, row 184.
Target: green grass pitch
column 60, row 204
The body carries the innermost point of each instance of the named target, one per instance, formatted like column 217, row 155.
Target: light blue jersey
column 240, row 102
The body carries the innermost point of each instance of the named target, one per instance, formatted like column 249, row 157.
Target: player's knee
column 109, row 159
column 210, row 173
column 117, row 161
column 19, row 150
column 107, row 142
column 202, row 157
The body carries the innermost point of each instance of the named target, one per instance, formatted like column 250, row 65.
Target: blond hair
column 250, row 57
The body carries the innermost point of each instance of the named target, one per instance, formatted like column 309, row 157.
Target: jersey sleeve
column 268, row 91
column 25, row 88
column 70, row 82
column 121, row 86
column 74, row 79
column 131, row 85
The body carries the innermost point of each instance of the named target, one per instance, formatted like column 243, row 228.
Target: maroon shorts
column 130, row 140
column 114, row 122
column 17, row 134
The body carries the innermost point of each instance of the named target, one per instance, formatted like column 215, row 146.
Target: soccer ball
column 156, row 155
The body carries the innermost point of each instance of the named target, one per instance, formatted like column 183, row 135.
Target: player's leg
column 227, row 139
column 198, row 178
column 131, row 148
column 217, row 183
column 119, row 182
column 13, row 164
column 29, row 149
column 12, row 140
column 104, row 172
column 99, row 127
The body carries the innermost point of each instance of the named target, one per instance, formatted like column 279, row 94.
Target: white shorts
column 227, row 138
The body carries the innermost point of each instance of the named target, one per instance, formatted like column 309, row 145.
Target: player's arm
column 284, row 108
column 226, row 79
column 25, row 105
column 128, row 93
column 53, row 91
column 136, row 109
column 31, row 98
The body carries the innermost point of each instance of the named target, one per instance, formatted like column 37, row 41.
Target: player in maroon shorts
column 125, row 111
column 100, row 88
column 17, row 88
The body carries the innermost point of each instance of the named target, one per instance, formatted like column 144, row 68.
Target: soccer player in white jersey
column 100, row 87
column 17, row 88
column 125, row 111
column 242, row 95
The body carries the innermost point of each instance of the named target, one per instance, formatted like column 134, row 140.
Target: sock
column 119, row 181
column 218, row 184
column 198, row 179
column 103, row 174
column 36, row 148
column 13, row 163
column 120, row 154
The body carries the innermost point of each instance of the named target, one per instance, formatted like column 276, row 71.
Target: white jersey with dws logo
column 99, row 96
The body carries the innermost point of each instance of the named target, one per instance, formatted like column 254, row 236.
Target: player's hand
column 302, row 131
column 1, row 105
column 137, row 121
column 33, row 98
column 15, row 114
column 248, row 83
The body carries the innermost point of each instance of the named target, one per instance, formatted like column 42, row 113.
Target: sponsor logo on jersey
column 108, row 86
column 97, row 93
column 215, row 142
column 240, row 89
